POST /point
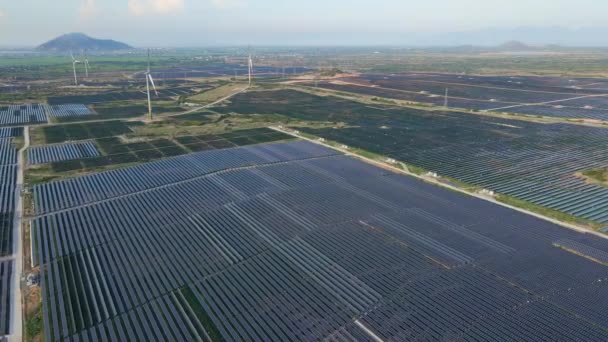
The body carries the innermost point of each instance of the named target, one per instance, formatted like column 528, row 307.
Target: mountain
column 80, row 41
column 515, row 45
column 533, row 36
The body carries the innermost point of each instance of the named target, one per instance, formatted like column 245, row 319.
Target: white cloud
column 87, row 9
column 227, row 3
column 2, row 13
column 146, row 7
column 136, row 7
column 168, row 6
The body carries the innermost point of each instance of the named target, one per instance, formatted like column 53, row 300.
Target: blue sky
column 287, row 22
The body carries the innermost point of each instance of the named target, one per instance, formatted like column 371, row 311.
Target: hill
column 80, row 41
column 515, row 46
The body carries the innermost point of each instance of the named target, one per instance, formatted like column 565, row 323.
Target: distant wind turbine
column 86, row 64
column 250, row 68
column 149, row 80
column 74, row 62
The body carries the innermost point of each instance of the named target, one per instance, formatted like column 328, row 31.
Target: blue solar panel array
column 10, row 132
column 61, row 152
column 6, row 273
column 547, row 96
column 291, row 241
column 534, row 162
column 16, row 115
column 8, row 179
column 69, row 110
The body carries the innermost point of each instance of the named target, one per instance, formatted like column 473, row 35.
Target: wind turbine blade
column 152, row 82
column 148, row 61
column 75, row 76
column 149, row 99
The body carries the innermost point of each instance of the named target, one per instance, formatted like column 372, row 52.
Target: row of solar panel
column 61, row 152
column 8, row 179
column 292, row 242
column 16, row 115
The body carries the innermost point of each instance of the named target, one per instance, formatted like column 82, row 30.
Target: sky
column 193, row 23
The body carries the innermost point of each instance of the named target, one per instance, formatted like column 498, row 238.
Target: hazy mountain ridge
column 80, row 41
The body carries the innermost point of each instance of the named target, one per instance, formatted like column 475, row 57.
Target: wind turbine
column 74, row 62
column 149, row 80
column 86, row 64
column 250, row 68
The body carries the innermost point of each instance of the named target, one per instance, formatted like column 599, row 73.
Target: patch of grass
column 459, row 184
column 215, row 94
column 416, row 170
column 33, row 323
column 596, row 176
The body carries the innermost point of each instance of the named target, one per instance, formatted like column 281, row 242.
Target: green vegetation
column 52, row 66
column 554, row 214
column 416, row 170
column 383, row 100
column 330, row 72
column 596, row 176
column 34, row 323
column 216, row 94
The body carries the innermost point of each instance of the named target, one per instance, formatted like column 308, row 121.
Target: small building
column 32, row 279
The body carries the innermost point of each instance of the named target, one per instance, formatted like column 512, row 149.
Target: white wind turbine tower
column 250, row 68
column 74, row 62
column 86, row 64
column 149, row 80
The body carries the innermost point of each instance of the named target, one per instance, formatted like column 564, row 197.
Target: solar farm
column 15, row 115
column 530, row 161
column 163, row 94
column 536, row 96
column 265, row 243
column 339, row 195
column 84, row 146
column 226, row 70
